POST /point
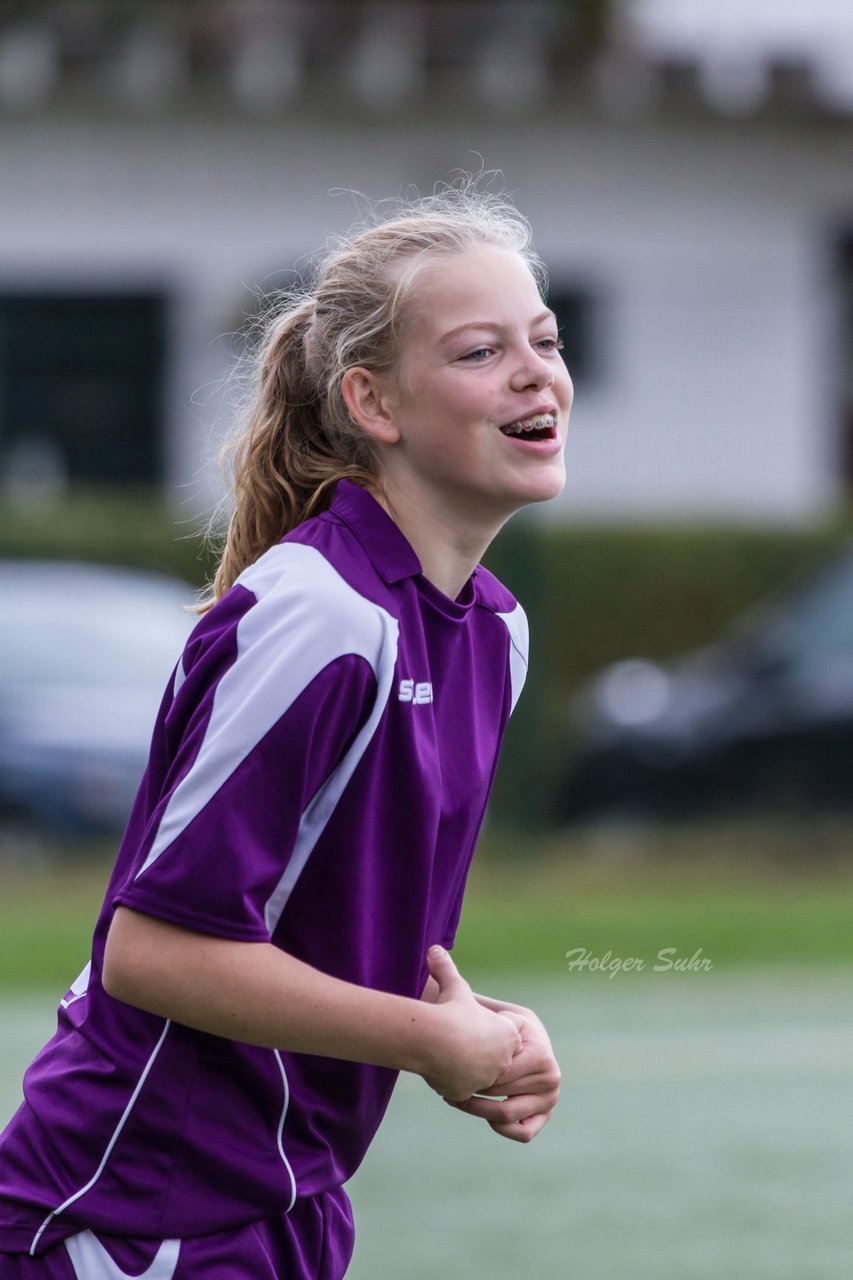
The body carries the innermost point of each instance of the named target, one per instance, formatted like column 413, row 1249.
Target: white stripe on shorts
column 91, row 1261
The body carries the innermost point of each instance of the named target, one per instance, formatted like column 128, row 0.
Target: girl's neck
column 448, row 547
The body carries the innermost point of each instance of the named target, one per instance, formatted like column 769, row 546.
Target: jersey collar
column 390, row 551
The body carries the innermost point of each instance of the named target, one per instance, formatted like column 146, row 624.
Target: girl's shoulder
column 296, row 591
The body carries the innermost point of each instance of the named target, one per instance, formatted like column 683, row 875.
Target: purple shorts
column 312, row 1242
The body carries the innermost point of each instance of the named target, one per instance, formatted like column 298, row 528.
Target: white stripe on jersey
column 516, row 625
column 79, row 987
column 323, row 803
column 179, row 677
column 306, row 617
column 113, row 1140
column 280, row 1131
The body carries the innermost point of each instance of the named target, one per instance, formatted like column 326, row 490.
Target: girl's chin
column 544, row 488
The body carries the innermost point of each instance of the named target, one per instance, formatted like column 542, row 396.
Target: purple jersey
column 318, row 776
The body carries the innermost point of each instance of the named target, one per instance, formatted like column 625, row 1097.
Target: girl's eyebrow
column 547, row 314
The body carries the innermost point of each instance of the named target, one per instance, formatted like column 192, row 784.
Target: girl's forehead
column 486, row 282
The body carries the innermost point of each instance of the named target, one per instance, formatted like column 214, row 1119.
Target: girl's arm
column 256, row 993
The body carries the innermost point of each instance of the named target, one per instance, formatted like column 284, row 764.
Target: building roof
column 724, row 57
column 743, row 49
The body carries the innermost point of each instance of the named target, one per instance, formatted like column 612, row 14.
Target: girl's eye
column 480, row 354
column 551, row 344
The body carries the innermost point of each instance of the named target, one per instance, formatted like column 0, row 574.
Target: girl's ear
column 365, row 398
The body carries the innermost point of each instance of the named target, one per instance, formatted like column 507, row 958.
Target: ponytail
column 283, row 465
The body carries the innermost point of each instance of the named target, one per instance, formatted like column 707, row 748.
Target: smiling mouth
column 541, row 427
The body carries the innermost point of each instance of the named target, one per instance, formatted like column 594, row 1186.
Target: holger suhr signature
column 667, row 960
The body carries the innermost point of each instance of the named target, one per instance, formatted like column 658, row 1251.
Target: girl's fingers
column 533, row 1083
column 525, row 1131
column 530, row 1073
column 507, row 1112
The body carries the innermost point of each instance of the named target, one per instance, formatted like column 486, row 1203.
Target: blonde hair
column 296, row 439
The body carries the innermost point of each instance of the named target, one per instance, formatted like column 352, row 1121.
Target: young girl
column 272, row 949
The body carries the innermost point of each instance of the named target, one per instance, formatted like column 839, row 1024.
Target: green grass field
column 703, row 1130
column 724, row 894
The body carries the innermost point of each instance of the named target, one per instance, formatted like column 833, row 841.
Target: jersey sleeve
column 268, row 724
column 453, row 922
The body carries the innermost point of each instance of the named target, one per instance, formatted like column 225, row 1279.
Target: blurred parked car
column 85, row 654
column 761, row 720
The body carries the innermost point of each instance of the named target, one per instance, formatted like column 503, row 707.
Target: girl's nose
column 533, row 371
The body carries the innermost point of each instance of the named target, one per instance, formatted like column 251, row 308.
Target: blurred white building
column 687, row 170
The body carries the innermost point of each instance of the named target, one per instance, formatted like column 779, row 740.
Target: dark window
column 81, row 374
column 575, row 311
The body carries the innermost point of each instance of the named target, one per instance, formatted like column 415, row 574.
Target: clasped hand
column 521, row 1098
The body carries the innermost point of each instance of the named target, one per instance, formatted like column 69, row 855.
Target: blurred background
column 679, row 774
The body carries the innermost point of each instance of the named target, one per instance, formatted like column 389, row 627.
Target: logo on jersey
column 416, row 691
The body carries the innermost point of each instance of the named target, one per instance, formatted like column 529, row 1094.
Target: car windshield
column 94, row 634
column 817, row 621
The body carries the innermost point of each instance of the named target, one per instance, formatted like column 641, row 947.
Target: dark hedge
column 594, row 594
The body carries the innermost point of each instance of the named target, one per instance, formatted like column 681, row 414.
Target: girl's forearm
column 258, row 994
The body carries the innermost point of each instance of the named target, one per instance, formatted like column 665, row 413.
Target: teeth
column 530, row 424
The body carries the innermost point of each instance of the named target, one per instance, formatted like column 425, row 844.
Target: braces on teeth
column 534, row 424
